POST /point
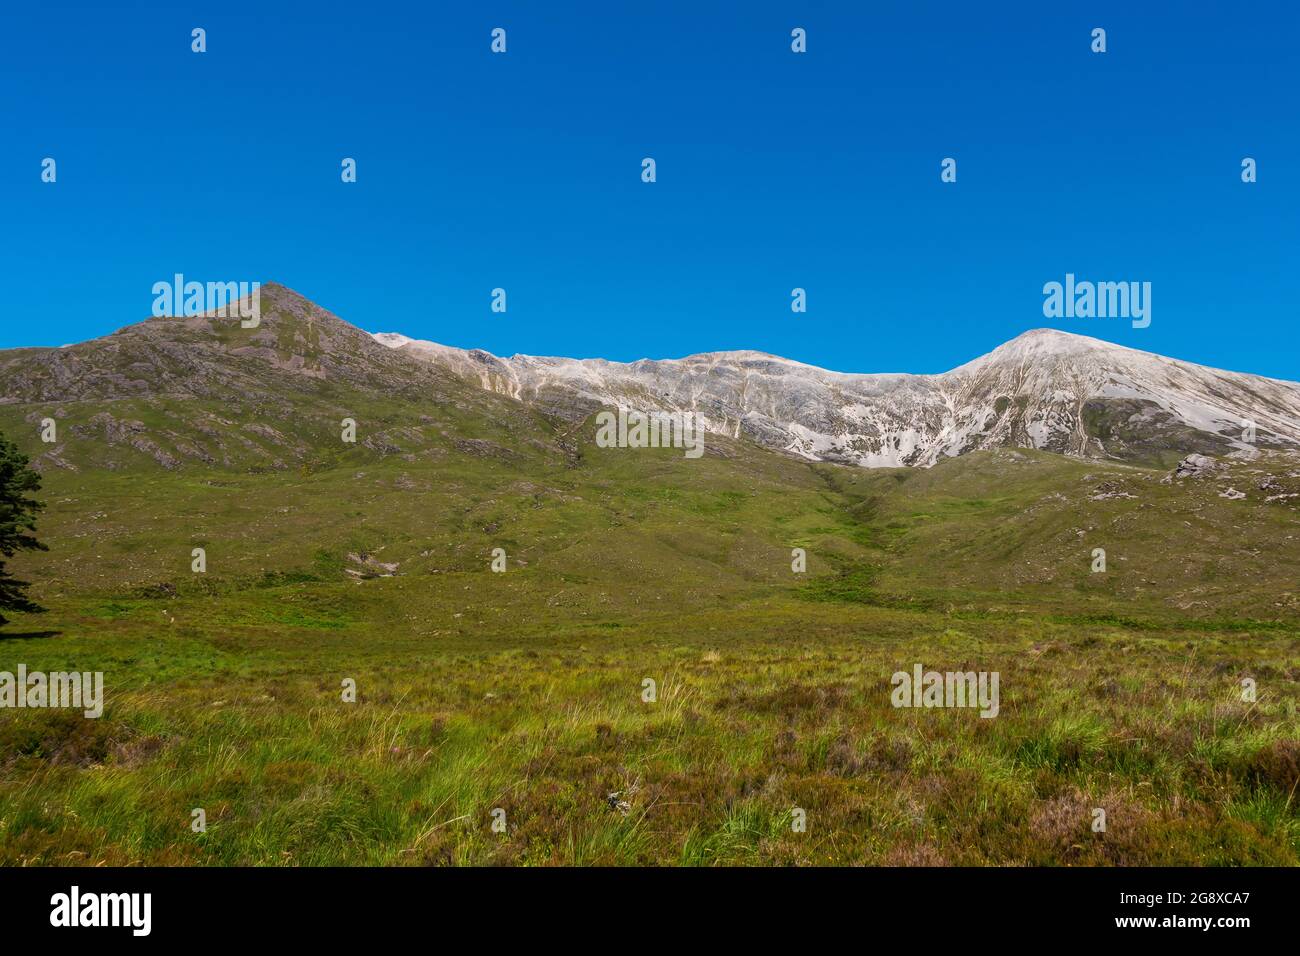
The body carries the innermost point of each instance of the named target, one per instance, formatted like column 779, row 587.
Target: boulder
column 1194, row 466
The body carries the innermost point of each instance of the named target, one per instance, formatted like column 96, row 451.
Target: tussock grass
column 522, row 692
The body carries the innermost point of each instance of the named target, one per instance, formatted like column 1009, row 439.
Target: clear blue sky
column 775, row 170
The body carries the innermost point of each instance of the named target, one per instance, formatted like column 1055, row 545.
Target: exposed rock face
column 1045, row 389
column 1194, row 466
column 205, row 389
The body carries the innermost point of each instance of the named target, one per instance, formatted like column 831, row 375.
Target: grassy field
column 523, row 691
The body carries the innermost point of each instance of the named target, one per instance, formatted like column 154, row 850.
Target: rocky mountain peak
column 1044, row 389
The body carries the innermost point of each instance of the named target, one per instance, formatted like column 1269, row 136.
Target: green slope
column 522, row 691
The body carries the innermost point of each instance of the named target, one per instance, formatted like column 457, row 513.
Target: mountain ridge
column 1069, row 393
column 1044, row 389
column 399, row 339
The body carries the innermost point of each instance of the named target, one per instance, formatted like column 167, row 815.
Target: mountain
column 1045, row 389
column 204, row 391
column 207, row 391
column 325, row 561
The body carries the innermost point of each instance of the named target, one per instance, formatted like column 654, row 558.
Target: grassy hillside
column 522, row 691
column 1016, row 529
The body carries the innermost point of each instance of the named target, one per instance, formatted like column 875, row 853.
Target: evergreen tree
column 17, row 523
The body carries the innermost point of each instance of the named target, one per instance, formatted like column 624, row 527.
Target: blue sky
column 775, row 170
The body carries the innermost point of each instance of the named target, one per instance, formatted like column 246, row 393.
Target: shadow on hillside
column 27, row 635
